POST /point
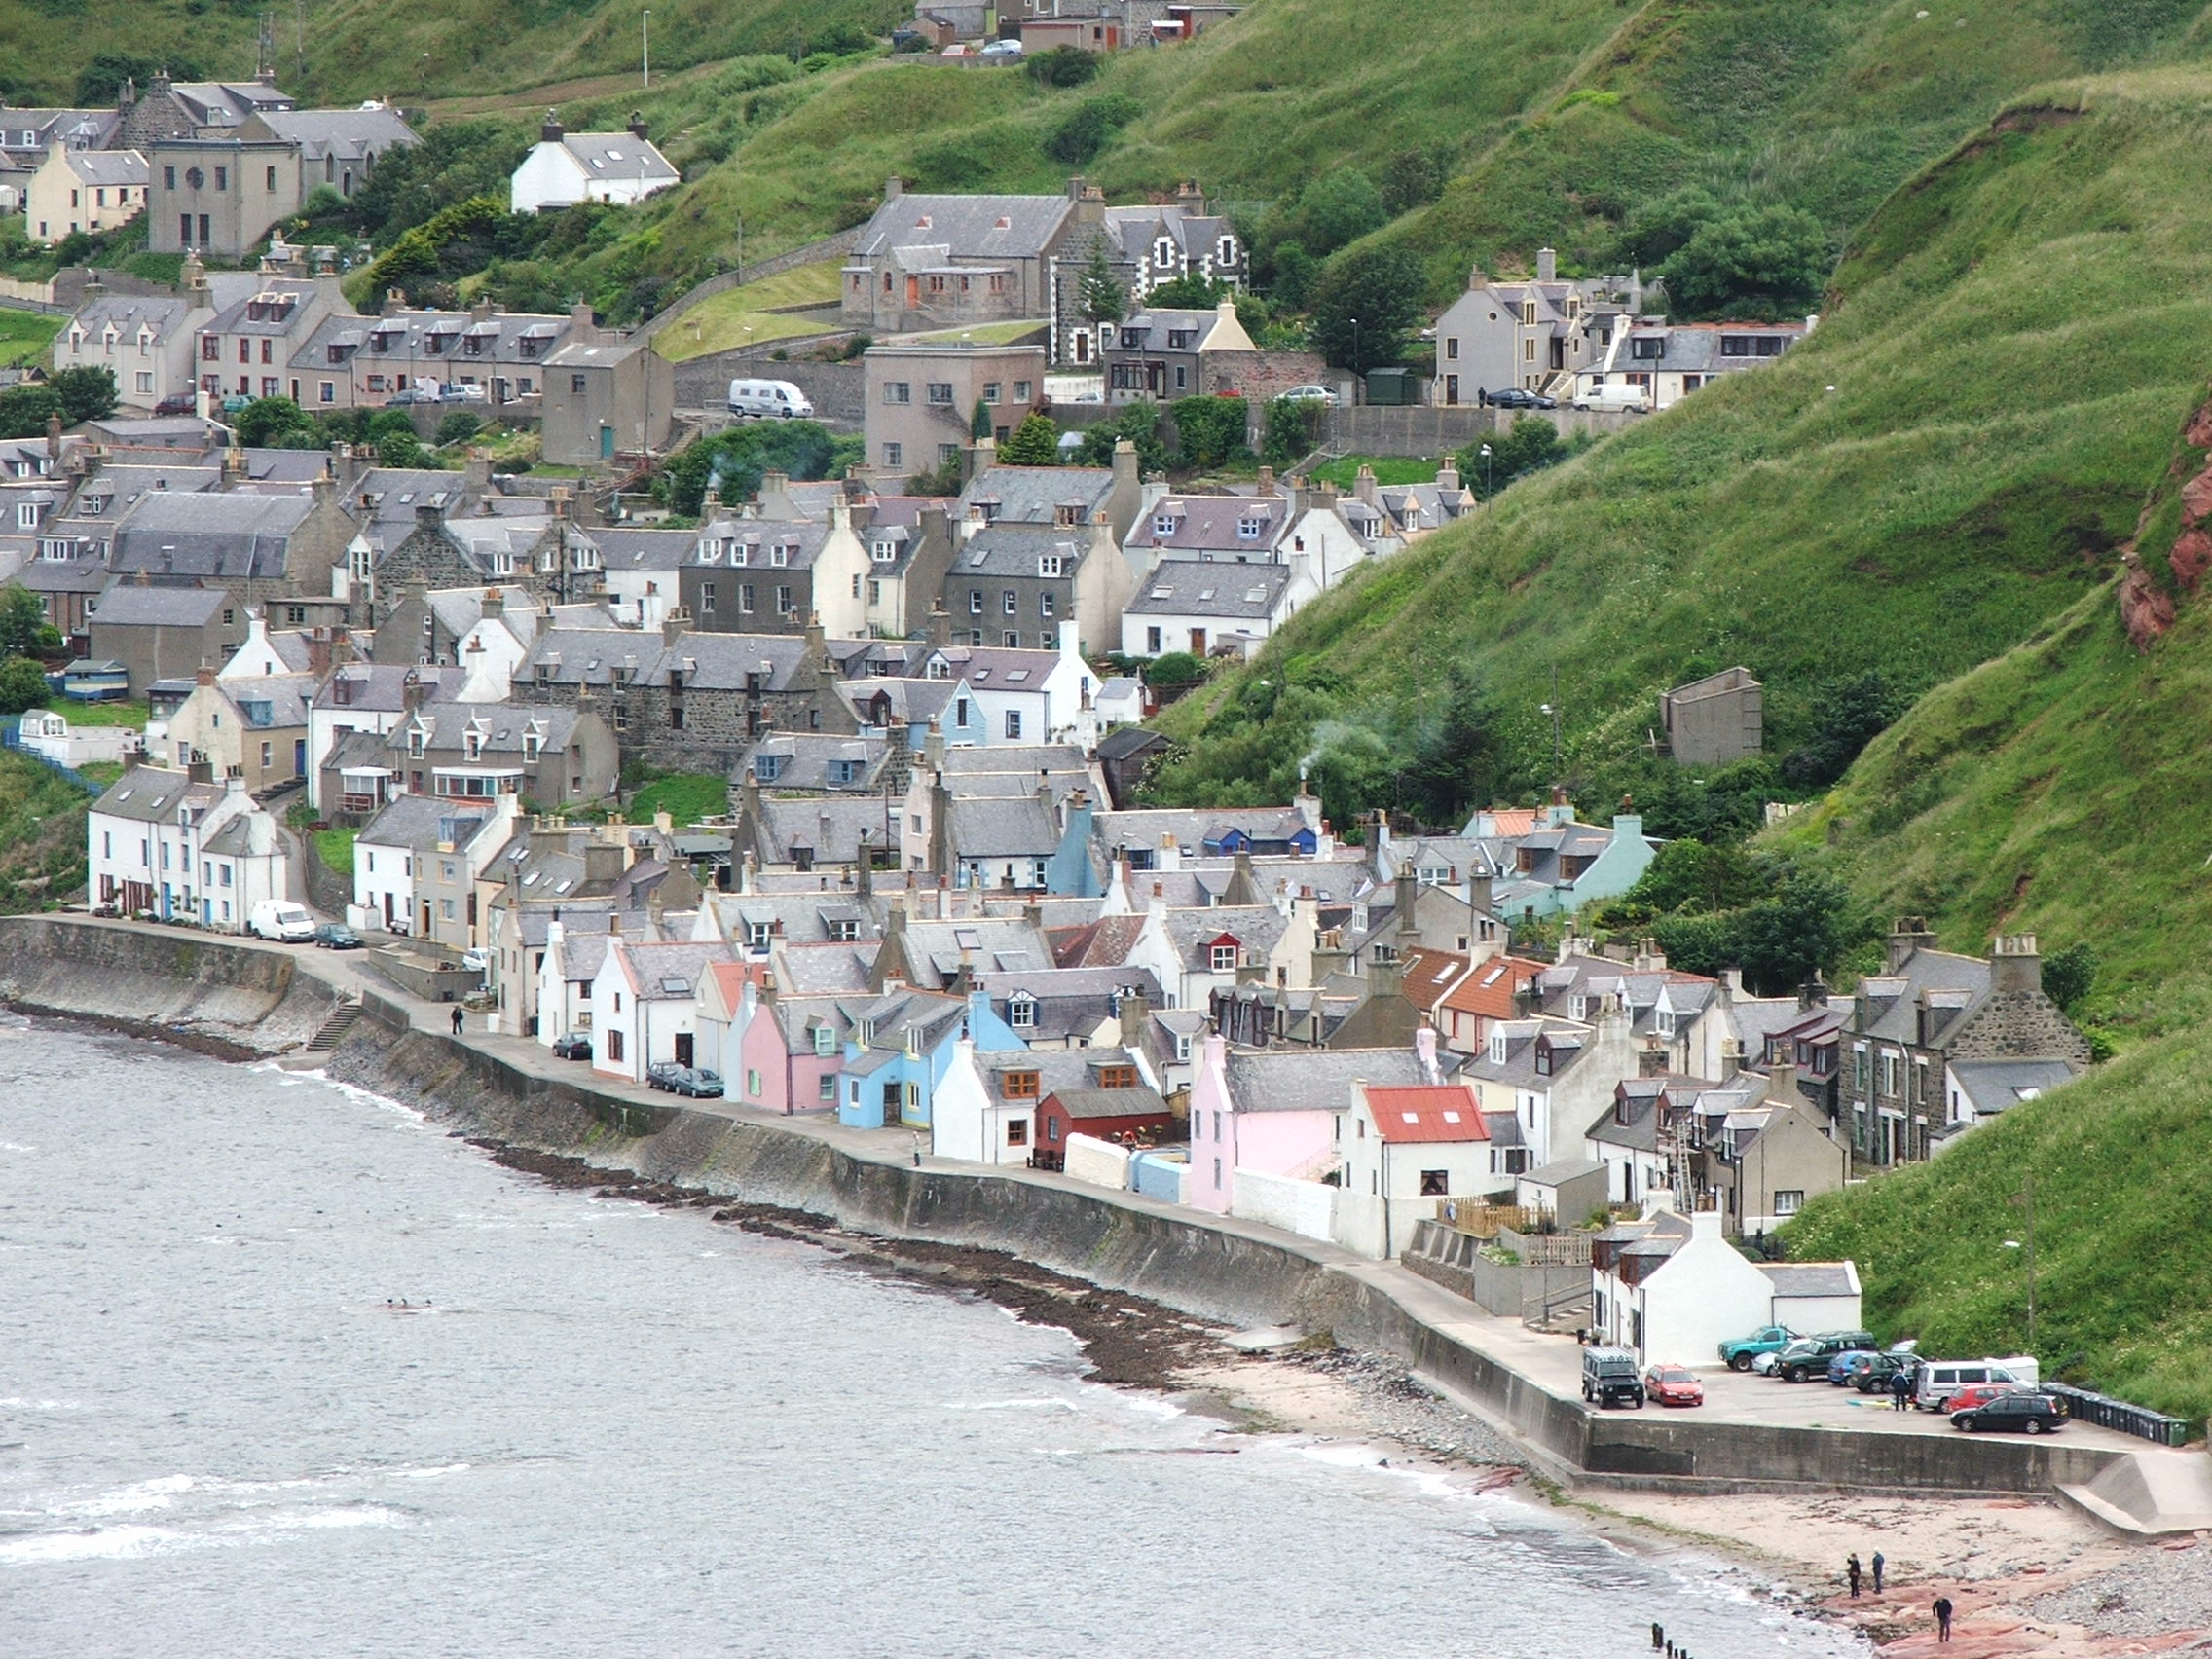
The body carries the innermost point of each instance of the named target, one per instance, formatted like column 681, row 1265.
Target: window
column 744, row 597
column 897, row 391
column 975, row 603
column 1019, row 1086
column 1010, row 602
column 827, row 1091
column 1647, row 347
column 1017, row 1132
column 1224, row 959
column 1044, row 604
column 1119, row 1077
column 169, row 178
column 1435, row 1183
column 1021, row 392
column 894, row 455
column 1014, row 724
column 1788, row 1203
column 947, row 454
column 783, row 601
column 614, row 1037
column 1021, row 1012
column 222, row 178
column 940, row 391
column 1049, row 564
column 990, row 391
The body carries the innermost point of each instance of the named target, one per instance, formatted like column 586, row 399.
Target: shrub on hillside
column 1209, row 431
column 22, row 686
column 1078, row 138
column 1036, row 442
column 1365, row 306
column 1848, row 715
column 1062, row 66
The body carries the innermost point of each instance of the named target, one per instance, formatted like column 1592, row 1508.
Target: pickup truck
column 1772, row 1338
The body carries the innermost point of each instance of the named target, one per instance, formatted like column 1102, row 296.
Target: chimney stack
column 2016, row 964
column 549, row 132
column 1909, row 935
column 1547, row 264
column 637, row 127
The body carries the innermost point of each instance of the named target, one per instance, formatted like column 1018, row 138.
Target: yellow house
column 85, row 190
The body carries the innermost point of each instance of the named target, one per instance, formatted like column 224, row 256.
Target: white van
column 769, row 400
column 1938, row 1379
column 1615, row 400
column 281, row 920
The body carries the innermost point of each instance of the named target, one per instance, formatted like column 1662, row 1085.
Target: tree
column 1190, row 293
column 2069, row 975
column 262, row 421
column 1036, row 442
column 1530, row 445
column 459, row 426
column 1760, row 261
column 1209, row 431
column 1140, row 423
column 22, row 623
column 1658, row 228
column 1290, row 429
column 1848, row 715
column 400, row 449
column 1063, row 66
column 85, row 393
column 1414, row 178
column 22, row 686
column 102, row 80
column 409, row 185
column 735, row 460
column 1337, row 208
column 980, row 419
column 1102, row 293
column 1364, row 306
column 1454, row 760
column 24, row 411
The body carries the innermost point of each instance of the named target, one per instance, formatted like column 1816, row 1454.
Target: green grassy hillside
column 2015, row 341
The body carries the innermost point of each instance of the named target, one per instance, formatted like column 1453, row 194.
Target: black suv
column 2029, row 1413
column 1809, row 1356
column 1610, row 1378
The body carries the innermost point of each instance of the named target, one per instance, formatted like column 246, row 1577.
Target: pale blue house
column 897, row 1047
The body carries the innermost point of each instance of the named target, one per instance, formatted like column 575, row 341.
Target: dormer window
column 1021, row 1012
column 1019, row 1086
column 1498, row 1047
column 1251, row 526
column 1163, row 524
column 1224, row 958
column 472, row 745
column 779, row 555
column 532, row 745
column 1049, row 563
column 414, row 743
column 825, row 1042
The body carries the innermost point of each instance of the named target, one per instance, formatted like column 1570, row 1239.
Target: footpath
column 1753, row 1434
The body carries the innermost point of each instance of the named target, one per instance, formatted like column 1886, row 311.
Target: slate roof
column 378, row 688
column 1140, row 1101
column 1212, row 524
column 1893, row 999
column 1015, row 826
column 128, row 605
column 128, row 313
column 153, row 795
column 1068, row 1002
column 1236, row 592
column 963, row 227
column 504, row 727
column 1014, row 549
column 663, row 972
column 831, row 825
column 1991, row 1085
column 999, row 668
column 422, row 822
column 618, row 156
column 1313, row 1079
column 268, row 702
column 223, row 536
column 655, row 550
column 758, row 541
column 1034, row 495
column 1811, row 1278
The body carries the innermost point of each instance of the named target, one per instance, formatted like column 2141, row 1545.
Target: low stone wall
column 1455, row 1260
column 835, row 389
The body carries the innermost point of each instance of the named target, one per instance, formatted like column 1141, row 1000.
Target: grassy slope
column 2016, row 342
column 25, row 335
column 42, row 834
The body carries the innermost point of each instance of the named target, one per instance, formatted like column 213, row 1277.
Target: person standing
column 1900, row 1387
column 1877, row 1564
column 1942, row 1613
column 1853, row 1570
column 456, row 1019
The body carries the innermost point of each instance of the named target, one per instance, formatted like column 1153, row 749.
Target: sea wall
column 1185, row 1259
column 174, row 980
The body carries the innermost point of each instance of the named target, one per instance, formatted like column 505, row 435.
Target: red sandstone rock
column 2191, row 558
column 2145, row 608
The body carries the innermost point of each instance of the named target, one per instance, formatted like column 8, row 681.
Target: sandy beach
column 2027, row 1577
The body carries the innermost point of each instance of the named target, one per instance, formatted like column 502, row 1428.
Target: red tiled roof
column 1429, row 972
column 1514, row 819
column 1489, row 990
column 1428, row 1112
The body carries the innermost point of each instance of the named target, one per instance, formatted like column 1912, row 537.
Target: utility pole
column 2025, row 1197
column 1552, row 709
column 646, row 48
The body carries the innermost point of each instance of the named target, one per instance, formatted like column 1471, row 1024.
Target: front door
column 890, row 1104
column 606, row 443
column 387, row 912
column 683, row 1048
column 1197, row 641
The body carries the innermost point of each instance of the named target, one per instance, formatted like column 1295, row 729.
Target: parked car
column 573, row 1047
column 1870, row 1373
column 460, row 392
column 1840, row 1367
column 412, row 394
column 234, row 403
column 282, row 920
column 1768, row 1339
column 663, row 1075
column 1311, row 394
column 1936, row 1381
column 476, row 961
column 1520, row 397
column 999, row 49
column 1610, row 1378
column 336, row 936
column 1674, row 1385
column 2020, row 1410
column 1809, row 1356
column 700, row 1084
column 1975, row 1394
column 178, row 403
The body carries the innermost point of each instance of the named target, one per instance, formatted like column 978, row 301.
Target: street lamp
column 1486, row 475
column 1552, row 709
column 2027, row 1198
column 1355, row 347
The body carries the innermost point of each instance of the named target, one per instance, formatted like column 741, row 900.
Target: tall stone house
column 1926, row 1008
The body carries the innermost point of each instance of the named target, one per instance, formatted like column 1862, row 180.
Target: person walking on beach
column 1853, row 1571
column 456, row 1019
column 1878, row 1563
column 1942, row 1613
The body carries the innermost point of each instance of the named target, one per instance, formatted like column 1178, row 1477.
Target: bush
column 1191, row 293
column 261, row 422
column 1175, row 668
column 1036, row 442
column 22, row 686
column 460, row 426
column 1531, row 445
column 2069, row 975
column 1848, row 715
column 85, row 393
column 401, row 449
column 739, row 456
column 1209, row 431
column 1062, row 66
column 26, row 409
column 1074, row 141
column 1365, row 305
column 1769, row 261
column 1291, row 428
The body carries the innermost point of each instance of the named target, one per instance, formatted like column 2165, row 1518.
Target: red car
column 1977, row 1394
column 1674, row 1385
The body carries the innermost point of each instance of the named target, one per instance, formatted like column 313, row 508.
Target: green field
column 335, row 848
column 686, row 796
column 751, row 316
column 1343, row 471
column 122, row 712
column 24, row 336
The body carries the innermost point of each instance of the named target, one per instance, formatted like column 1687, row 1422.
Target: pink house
column 1274, row 1110
column 791, row 1052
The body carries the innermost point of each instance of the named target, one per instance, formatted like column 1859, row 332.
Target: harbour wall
column 1200, row 1264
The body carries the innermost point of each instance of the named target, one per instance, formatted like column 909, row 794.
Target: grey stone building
column 163, row 633
column 925, row 262
column 1715, row 721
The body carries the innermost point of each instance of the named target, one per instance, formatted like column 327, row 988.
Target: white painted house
column 1403, row 1149
column 179, row 844
column 645, row 1008
column 563, row 169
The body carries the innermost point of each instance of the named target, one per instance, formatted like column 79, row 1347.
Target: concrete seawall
column 1206, row 1265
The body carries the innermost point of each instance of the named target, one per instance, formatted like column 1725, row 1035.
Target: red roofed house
column 1403, row 1149
column 1483, row 999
